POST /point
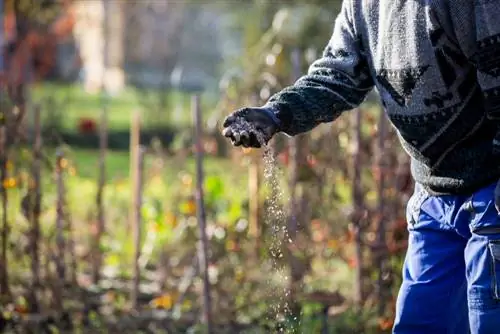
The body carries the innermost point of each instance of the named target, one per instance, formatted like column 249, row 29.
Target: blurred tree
column 33, row 32
column 31, row 29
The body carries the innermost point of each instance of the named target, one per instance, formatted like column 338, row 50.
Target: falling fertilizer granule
column 275, row 218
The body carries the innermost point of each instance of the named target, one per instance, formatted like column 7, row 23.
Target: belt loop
column 469, row 205
column 421, row 195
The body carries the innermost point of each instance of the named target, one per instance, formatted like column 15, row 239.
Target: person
column 436, row 67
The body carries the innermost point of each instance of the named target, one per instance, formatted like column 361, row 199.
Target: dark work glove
column 251, row 127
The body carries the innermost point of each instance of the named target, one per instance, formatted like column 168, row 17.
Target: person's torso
column 436, row 66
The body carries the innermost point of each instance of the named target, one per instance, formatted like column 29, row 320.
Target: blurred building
column 145, row 42
column 89, row 29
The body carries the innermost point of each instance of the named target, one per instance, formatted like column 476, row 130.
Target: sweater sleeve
column 487, row 59
column 479, row 36
column 338, row 81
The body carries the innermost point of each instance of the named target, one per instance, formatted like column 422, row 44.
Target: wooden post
column 253, row 190
column 295, row 215
column 137, row 180
column 71, row 245
column 253, row 193
column 357, row 200
column 101, row 218
column 60, row 215
column 380, row 242
column 103, row 147
column 60, row 242
column 200, row 211
column 135, row 134
column 4, row 271
column 2, row 38
column 35, row 197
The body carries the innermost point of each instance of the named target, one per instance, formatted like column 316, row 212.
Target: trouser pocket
column 494, row 248
column 482, row 254
column 485, row 220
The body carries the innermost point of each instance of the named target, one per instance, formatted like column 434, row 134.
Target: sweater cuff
column 278, row 114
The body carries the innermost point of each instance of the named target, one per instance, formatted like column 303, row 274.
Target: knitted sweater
column 436, row 66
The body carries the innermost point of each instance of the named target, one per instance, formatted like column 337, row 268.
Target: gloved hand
column 251, row 127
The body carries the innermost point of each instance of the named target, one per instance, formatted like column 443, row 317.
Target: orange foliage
column 232, row 246
column 352, row 262
column 37, row 46
column 190, row 207
column 385, row 324
column 9, row 183
column 165, row 301
column 21, row 309
column 171, row 219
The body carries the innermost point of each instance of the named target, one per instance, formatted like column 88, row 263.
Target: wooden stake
column 60, row 242
column 295, row 215
column 135, row 133
column 253, row 190
column 357, row 200
column 138, row 175
column 103, row 147
column 200, row 210
column 70, row 234
column 253, row 193
column 35, row 197
column 2, row 36
column 380, row 222
column 101, row 219
column 4, row 271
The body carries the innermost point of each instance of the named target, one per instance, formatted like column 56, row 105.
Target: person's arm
column 477, row 28
column 338, row 81
column 487, row 60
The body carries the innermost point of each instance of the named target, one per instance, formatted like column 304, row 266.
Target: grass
column 164, row 182
column 170, row 184
column 118, row 163
column 64, row 105
column 172, row 223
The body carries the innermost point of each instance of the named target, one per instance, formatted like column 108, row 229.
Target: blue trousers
column 451, row 274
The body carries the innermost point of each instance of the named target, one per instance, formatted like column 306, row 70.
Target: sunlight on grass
column 118, row 163
column 70, row 103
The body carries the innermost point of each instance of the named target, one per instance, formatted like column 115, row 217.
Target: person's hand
column 250, row 127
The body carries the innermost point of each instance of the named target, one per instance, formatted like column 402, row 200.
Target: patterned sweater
column 436, row 65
